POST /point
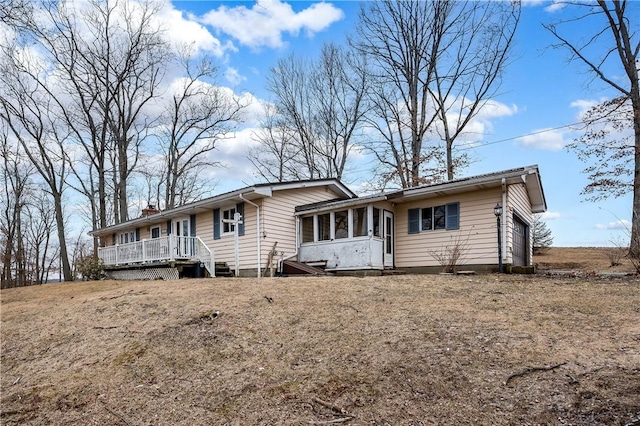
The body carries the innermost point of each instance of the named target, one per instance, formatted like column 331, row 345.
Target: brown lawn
column 400, row 350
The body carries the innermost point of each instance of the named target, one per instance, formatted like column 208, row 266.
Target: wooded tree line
column 404, row 89
column 86, row 107
column 95, row 102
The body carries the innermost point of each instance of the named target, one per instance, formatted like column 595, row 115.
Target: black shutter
column 137, row 234
column 414, row 221
column 168, row 227
column 216, row 224
column 240, row 209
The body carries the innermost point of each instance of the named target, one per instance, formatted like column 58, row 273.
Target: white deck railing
column 171, row 247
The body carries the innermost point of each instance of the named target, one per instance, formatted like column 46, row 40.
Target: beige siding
column 518, row 203
column 477, row 231
column 276, row 219
column 224, row 247
column 279, row 220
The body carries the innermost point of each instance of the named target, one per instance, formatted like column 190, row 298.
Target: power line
column 471, row 145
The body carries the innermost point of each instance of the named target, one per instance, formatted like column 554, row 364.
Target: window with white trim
column 126, row 237
column 357, row 222
column 324, row 227
column 360, row 228
column 228, row 214
column 376, row 222
column 155, row 232
column 307, row 229
column 433, row 218
column 341, row 221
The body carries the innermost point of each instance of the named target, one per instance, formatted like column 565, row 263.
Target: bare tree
column 15, row 173
column 274, row 158
column 98, row 67
column 608, row 138
column 38, row 231
column 27, row 113
column 469, row 68
column 612, row 48
column 129, row 55
column 400, row 38
column 435, row 64
column 108, row 59
column 199, row 115
column 339, row 86
column 319, row 105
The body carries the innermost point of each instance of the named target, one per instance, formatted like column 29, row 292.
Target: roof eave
column 257, row 191
column 341, row 204
column 191, row 208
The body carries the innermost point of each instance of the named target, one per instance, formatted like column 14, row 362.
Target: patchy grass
column 414, row 349
column 584, row 259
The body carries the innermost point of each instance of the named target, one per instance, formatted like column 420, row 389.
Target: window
column 427, row 219
column 341, row 220
column 376, row 222
column 126, row 237
column 155, row 232
column 360, row 222
column 307, row 229
column 324, row 227
column 228, row 228
column 220, row 216
column 433, row 218
column 343, row 224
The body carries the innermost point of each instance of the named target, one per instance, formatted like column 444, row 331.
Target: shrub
column 89, row 268
column 450, row 255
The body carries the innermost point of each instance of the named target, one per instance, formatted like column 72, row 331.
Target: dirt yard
column 547, row 349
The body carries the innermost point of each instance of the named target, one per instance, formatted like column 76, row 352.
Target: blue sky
column 541, row 94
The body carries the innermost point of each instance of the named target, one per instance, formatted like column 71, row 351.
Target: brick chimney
column 150, row 209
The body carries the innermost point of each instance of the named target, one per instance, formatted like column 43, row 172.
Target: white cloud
column 584, row 105
column 232, row 154
column 481, row 124
column 233, row 76
column 546, row 139
column 555, row 6
column 533, row 2
column 622, row 225
column 182, row 30
column 264, row 24
column 493, row 109
column 550, row 215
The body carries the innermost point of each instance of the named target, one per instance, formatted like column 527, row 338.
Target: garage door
column 520, row 237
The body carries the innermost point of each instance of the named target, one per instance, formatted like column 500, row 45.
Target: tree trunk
column 634, row 248
column 64, row 258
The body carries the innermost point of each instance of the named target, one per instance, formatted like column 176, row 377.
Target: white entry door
column 182, row 229
column 388, row 239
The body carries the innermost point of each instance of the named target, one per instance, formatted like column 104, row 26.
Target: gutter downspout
column 504, row 220
column 295, row 253
column 258, row 240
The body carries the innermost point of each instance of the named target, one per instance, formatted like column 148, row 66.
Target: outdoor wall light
column 497, row 210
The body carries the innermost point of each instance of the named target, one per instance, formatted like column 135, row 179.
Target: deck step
column 223, row 270
column 291, row 267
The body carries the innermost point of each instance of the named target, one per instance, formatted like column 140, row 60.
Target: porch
column 360, row 253
column 169, row 248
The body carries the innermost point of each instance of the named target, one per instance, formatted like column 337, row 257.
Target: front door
column 182, row 229
column 388, row 239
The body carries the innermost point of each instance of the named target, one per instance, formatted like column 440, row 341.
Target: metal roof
column 254, row 192
column 529, row 175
